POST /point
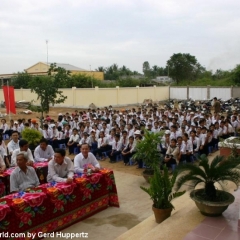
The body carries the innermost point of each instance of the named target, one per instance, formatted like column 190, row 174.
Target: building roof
column 68, row 67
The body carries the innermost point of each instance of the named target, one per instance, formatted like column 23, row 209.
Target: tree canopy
column 183, row 66
column 47, row 92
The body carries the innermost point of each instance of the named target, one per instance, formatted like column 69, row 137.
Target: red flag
column 9, row 99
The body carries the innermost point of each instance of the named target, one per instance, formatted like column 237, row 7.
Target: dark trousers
column 126, row 158
column 71, row 148
column 114, row 155
column 100, row 150
column 171, row 162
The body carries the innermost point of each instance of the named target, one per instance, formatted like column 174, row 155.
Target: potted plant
column 147, row 151
column 160, row 191
column 32, row 136
column 209, row 200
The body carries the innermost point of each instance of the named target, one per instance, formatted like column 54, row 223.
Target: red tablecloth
column 41, row 169
column 54, row 206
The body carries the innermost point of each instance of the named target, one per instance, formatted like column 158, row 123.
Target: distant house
column 41, row 68
column 162, row 79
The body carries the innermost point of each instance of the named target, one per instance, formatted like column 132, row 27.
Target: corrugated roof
column 69, row 67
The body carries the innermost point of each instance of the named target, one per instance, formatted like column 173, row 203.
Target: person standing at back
column 216, row 105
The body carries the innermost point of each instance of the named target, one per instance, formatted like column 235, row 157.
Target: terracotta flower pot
column 161, row 214
column 209, row 208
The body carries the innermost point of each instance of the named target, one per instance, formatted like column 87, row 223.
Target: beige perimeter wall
column 83, row 97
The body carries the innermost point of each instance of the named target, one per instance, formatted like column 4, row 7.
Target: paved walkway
column 225, row 227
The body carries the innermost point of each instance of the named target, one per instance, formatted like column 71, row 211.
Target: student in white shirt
column 93, row 140
column 43, row 152
column 73, row 141
column 23, row 144
column 103, row 145
column 124, row 139
column 84, row 139
column 47, row 132
column 128, row 151
column 182, row 150
column 67, row 133
column 189, row 147
column 4, row 126
column 116, row 149
column 84, row 158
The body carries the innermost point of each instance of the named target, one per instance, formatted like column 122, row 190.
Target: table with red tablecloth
column 54, row 206
column 41, row 169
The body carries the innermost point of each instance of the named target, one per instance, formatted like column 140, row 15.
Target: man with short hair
column 60, row 169
column 23, row 176
column 43, row 152
column 23, row 147
column 14, row 143
column 84, row 158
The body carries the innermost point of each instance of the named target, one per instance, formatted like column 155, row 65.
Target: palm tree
column 218, row 170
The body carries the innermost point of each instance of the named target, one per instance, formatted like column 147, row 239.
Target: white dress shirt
column 80, row 161
column 20, row 181
column 43, row 155
column 60, row 173
column 15, row 153
column 117, row 146
column 12, row 146
column 74, row 138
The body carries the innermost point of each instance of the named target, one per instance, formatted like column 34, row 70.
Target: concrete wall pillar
column 74, row 96
column 96, row 96
column 117, row 94
column 137, row 89
column 208, row 91
column 154, row 93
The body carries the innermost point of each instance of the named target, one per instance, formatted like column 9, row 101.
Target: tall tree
column 146, row 69
column 47, row 92
column 183, row 66
column 21, row 80
column 236, row 74
column 61, row 75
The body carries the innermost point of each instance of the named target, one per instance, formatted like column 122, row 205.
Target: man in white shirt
column 60, row 169
column 23, row 147
column 43, row 152
column 83, row 158
column 23, row 176
column 14, row 143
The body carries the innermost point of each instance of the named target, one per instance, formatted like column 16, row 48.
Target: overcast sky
column 125, row 32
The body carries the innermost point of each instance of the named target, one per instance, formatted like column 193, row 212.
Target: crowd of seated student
column 108, row 132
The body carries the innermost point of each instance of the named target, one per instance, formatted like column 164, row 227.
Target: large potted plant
column 32, row 136
column 160, row 191
column 147, row 151
column 209, row 200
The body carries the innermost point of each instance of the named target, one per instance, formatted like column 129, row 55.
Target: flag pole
column 9, row 101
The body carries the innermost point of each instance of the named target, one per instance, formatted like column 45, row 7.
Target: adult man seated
column 14, row 143
column 23, row 147
column 2, row 165
column 60, row 169
column 83, row 158
column 43, row 152
column 23, row 176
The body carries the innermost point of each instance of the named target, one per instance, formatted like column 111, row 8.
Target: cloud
column 100, row 33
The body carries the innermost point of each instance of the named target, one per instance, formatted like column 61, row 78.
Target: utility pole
column 47, row 50
column 91, row 75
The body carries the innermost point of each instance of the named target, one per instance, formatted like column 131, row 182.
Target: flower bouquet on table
column 89, row 169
